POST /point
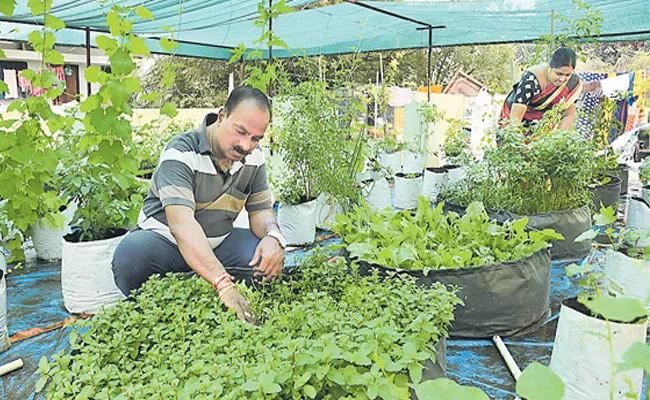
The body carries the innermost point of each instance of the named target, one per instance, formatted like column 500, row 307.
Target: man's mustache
column 240, row 150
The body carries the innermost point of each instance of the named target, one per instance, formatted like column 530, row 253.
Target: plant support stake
column 88, row 57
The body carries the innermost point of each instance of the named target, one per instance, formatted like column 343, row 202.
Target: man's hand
column 235, row 301
column 270, row 256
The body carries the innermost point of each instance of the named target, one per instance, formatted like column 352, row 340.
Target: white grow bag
column 298, row 223
column 434, row 180
column 48, row 243
column 455, row 174
column 413, row 163
column 581, row 355
column 4, row 333
column 638, row 217
column 86, row 276
column 407, row 191
column 632, row 275
column 377, row 194
column 393, row 162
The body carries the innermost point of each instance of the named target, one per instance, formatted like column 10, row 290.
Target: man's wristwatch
column 279, row 237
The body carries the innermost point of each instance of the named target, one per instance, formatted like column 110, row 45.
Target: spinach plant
column 326, row 334
column 431, row 240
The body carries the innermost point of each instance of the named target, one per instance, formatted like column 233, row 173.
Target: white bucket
column 581, row 356
column 4, row 333
column 407, row 191
column 434, row 180
column 377, row 194
column 455, row 174
column 632, row 275
column 48, row 243
column 86, row 276
column 413, row 163
column 393, row 162
column 298, row 222
column 638, row 217
column 327, row 208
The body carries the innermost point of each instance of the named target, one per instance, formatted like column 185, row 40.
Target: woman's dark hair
column 563, row 57
column 242, row 93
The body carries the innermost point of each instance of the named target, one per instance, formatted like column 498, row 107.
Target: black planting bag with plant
column 608, row 194
column 502, row 271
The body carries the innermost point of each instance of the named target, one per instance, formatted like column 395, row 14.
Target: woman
column 541, row 88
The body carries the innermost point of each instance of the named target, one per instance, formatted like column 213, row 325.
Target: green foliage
column 456, row 147
column 538, row 382
column 548, row 170
column 432, row 240
column 644, row 171
column 596, row 287
column 151, row 138
column 311, row 131
column 28, row 153
column 326, row 334
column 100, row 172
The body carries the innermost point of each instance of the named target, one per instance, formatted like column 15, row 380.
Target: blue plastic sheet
column 34, row 300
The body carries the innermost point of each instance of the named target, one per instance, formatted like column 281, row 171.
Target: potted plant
column 543, row 175
column 312, row 135
column 627, row 262
column 101, row 175
column 502, row 269
column 457, row 155
column 408, row 187
column 335, row 335
column 596, row 328
column 605, row 187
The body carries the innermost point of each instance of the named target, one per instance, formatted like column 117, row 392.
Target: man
column 203, row 180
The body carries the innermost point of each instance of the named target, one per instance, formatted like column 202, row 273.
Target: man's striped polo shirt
column 188, row 174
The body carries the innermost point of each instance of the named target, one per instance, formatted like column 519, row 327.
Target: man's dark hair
column 563, row 57
column 242, row 93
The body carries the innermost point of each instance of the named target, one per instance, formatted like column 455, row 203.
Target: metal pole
column 429, row 66
column 270, row 46
column 552, row 44
column 89, row 89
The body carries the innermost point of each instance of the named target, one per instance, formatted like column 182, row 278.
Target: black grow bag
column 568, row 223
column 622, row 172
column 505, row 299
column 607, row 194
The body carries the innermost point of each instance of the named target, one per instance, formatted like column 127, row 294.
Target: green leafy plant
column 644, row 172
column 151, row 138
column 101, row 173
column 431, row 240
column 547, row 170
column 28, row 154
column 334, row 335
column 456, row 149
column 311, row 132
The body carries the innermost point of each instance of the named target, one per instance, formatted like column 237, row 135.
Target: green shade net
column 208, row 29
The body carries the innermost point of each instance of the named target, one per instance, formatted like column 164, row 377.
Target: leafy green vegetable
column 326, row 334
column 431, row 240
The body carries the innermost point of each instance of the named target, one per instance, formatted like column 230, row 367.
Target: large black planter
column 505, row 299
column 608, row 194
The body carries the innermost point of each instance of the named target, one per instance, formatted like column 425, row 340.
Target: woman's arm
column 569, row 117
column 517, row 112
